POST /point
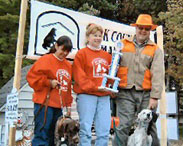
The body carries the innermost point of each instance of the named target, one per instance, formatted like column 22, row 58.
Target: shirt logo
column 100, row 67
column 63, row 77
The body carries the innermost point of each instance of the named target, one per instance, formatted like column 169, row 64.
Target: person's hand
column 54, row 83
column 153, row 103
column 68, row 114
column 102, row 89
column 113, row 95
column 66, row 111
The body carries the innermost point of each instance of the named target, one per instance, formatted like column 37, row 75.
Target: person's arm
column 158, row 74
column 80, row 76
column 37, row 76
column 153, row 103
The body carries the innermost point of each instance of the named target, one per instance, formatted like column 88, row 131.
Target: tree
column 102, row 8
column 173, row 34
column 8, row 15
column 9, row 18
column 128, row 10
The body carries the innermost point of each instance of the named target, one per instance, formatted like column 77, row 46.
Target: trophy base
column 109, row 77
column 108, row 89
column 114, row 86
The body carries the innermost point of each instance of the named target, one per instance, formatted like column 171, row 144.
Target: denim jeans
column 45, row 137
column 95, row 109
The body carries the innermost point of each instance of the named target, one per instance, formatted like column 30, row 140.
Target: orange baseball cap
column 145, row 19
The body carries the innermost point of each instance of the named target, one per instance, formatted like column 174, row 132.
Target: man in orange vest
column 141, row 72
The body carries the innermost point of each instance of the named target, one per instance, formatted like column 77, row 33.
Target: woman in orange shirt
column 90, row 64
column 48, row 73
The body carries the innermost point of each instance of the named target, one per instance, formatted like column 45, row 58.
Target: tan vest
column 135, row 66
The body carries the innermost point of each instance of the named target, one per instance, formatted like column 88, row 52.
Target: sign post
column 18, row 61
column 163, row 96
column 11, row 115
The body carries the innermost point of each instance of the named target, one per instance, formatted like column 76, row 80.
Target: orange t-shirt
column 88, row 69
column 47, row 68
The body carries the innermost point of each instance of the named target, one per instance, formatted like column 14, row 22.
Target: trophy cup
column 116, row 55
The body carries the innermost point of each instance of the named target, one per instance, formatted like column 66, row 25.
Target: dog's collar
column 63, row 119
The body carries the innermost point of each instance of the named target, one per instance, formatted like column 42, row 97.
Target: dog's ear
column 154, row 116
column 62, row 126
column 66, row 127
column 73, row 126
column 154, row 119
column 132, row 129
column 59, row 128
column 77, row 126
column 61, row 131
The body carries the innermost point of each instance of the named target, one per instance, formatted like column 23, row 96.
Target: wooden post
column 163, row 96
column 20, row 44
column 12, row 136
column 18, row 61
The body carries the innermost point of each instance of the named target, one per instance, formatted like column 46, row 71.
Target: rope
column 61, row 102
column 45, row 104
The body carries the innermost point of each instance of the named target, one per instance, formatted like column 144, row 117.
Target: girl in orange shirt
column 90, row 64
column 47, row 74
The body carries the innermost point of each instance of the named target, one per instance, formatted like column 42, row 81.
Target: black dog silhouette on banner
column 49, row 40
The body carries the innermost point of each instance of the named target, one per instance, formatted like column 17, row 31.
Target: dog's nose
column 148, row 115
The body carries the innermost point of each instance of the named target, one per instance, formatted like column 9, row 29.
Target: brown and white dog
column 66, row 130
column 141, row 135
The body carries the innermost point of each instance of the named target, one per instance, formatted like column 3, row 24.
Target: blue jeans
column 94, row 108
column 45, row 137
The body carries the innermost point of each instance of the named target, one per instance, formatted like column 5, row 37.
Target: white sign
column 172, row 128
column 171, row 103
column 49, row 22
column 11, row 112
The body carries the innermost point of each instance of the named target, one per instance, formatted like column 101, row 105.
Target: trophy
column 116, row 55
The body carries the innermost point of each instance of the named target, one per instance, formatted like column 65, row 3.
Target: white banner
column 49, row 22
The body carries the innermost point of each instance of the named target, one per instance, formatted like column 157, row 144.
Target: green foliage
column 173, row 34
column 128, row 10
column 72, row 4
column 102, row 8
column 89, row 10
column 6, row 71
column 9, row 18
column 152, row 7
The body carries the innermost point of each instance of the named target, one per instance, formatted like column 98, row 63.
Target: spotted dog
column 141, row 135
